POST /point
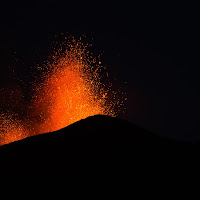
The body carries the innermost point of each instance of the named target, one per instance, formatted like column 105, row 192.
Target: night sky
column 154, row 48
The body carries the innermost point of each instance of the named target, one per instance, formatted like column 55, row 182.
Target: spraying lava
column 69, row 89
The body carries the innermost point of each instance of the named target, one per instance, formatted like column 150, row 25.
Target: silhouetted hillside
column 93, row 142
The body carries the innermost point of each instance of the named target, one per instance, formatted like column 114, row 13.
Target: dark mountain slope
column 93, row 142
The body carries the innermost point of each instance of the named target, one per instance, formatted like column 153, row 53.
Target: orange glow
column 69, row 89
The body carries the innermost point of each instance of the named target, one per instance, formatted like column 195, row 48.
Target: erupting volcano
column 69, row 88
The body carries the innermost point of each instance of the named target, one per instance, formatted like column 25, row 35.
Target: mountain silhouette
column 93, row 143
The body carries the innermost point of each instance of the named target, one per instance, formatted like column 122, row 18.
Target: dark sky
column 152, row 47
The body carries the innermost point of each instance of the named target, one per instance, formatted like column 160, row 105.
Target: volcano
column 95, row 142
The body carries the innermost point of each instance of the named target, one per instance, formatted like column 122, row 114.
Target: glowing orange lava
column 70, row 90
column 67, row 96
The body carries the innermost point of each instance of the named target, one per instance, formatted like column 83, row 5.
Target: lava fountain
column 69, row 89
column 11, row 129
